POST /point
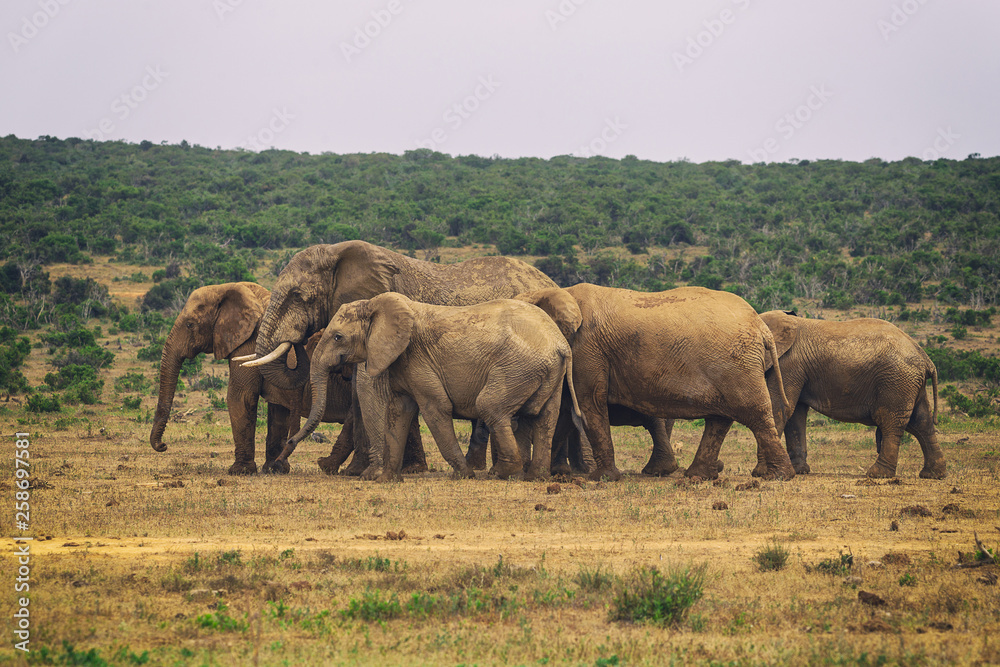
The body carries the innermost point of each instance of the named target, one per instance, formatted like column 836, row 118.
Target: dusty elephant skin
column 320, row 279
column 222, row 320
column 865, row 371
column 687, row 353
column 490, row 361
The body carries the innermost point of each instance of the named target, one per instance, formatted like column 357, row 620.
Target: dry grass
column 299, row 569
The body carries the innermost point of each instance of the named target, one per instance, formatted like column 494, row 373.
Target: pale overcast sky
column 752, row 80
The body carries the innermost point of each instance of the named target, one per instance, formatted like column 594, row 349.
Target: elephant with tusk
column 222, row 320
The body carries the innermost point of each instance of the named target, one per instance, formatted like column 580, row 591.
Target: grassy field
column 161, row 558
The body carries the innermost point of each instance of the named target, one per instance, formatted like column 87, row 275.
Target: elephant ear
column 784, row 328
column 559, row 305
column 389, row 331
column 240, row 309
column 359, row 271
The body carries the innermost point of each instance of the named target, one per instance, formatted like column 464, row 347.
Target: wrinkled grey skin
column 320, row 279
column 865, row 371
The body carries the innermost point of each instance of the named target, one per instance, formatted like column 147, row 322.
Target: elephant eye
column 190, row 325
column 337, row 338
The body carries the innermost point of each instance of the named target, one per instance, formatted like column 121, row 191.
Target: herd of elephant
column 358, row 334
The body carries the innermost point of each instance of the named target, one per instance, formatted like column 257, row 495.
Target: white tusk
column 277, row 352
column 246, row 357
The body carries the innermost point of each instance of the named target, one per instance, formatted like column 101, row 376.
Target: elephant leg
column 770, row 453
column 704, row 464
column 522, row 436
column 278, row 427
column 442, row 427
column 414, row 458
column 922, row 427
column 662, row 461
column 478, row 443
column 543, row 428
column 795, row 439
column 400, row 415
column 593, row 402
column 243, row 420
column 342, row 448
column 888, row 436
column 370, row 440
column 507, row 463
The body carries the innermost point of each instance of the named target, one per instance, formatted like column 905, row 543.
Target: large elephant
column 222, row 320
column 865, row 371
column 490, row 361
column 686, row 353
column 320, row 279
column 569, row 451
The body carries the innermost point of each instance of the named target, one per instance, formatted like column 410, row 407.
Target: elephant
column 222, row 320
column 568, row 454
column 317, row 281
column 864, row 371
column 685, row 353
column 489, row 361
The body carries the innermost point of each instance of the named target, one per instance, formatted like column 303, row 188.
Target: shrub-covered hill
column 867, row 233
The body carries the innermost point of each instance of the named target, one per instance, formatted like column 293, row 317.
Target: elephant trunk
column 277, row 372
column 170, row 367
column 318, row 382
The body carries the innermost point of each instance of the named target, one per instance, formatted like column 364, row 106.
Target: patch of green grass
column 771, row 558
column 221, row 621
column 907, row 579
column 662, row 599
column 595, row 579
column 834, row 566
column 374, row 605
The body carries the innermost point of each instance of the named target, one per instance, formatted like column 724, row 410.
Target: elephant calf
column 864, row 371
column 489, row 361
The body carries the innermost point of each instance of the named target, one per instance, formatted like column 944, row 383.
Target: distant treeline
column 842, row 233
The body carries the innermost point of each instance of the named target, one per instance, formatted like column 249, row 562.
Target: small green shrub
column 131, row 402
column 221, row 621
column 835, row 566
column 373, row 607
column 658, row 598
column 771, row 558
column 133, row 381
column 41, row 403
column 594, row 579
column 907, row 579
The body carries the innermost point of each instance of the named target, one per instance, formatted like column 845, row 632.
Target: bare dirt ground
column 164, row 559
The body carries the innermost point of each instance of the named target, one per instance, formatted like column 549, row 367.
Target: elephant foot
column 562, row 468
column 801, row 468
column 777, row 473
column 879, row 471
column 534, row 474
column 702, row 471
column 660, row 469
column 387, row 476
column 243, row 468
column 276, row 468
column 507, row 470
column 610, row 474
column 415, row 467
column 328, row 465
column 356, row 467
column 759, row 470
column 476, row 458
column 934, row 471
column 371, row 473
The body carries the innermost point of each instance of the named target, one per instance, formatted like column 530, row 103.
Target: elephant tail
column 932, row 373
column 575, row 413
column 772, row 349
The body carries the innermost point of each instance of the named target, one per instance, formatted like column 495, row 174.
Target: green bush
column 79, row 383
column 373, row 607
column 132, row 381
column 660, row 599
column 772, row 557
column 13, row 352
column 40, row 403
column 131, row 402
column 979, row 405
